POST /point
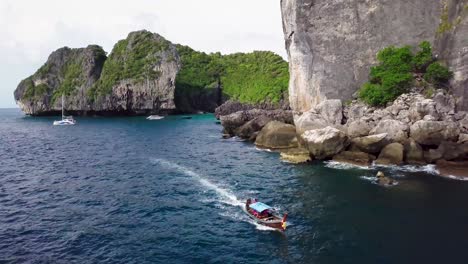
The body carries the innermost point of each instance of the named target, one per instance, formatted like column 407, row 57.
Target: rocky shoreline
column 413, row 130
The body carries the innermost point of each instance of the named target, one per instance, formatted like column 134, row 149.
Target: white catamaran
column 66, row 120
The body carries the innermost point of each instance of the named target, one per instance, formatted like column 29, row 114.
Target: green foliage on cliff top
column 199, row 70
column 131, row 58
column 393, row 75
column 255, row 77
column 247, row 77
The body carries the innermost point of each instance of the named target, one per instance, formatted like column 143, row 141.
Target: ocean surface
column 128, row 190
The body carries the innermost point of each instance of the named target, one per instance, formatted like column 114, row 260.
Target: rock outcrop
column 277, row 135
column 358, row 158
column 391, row 154
column 67, row 71
column 332, row 44
column 324, row 143
column 434, row 132
column 138, row 77
column 233, row 123
column 295, row 155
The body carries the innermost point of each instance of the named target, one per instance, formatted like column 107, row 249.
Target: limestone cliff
column 67, row 71
column 138, row 77
column 332, row 44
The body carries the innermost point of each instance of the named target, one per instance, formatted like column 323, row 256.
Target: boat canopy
column 259, row 207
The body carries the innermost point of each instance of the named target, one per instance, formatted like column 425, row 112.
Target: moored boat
column 155, row 117
column 265, row 215
column 66, row 120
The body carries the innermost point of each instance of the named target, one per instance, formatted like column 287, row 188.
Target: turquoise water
column 127, row 190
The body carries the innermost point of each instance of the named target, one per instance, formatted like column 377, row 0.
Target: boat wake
column 225, row 195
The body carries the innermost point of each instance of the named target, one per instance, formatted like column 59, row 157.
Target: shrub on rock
column 437, row 74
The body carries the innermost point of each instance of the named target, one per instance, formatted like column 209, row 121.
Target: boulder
column 397, row 131
column 464, row 124
column 358, row 158
column 327, row 113
column 358, row 128
column 433, row 155
column 421, row 108
column 324, row 143
column 277, row 135
column 444, row 103
column 449, row 151
column 356, row 111
column 370, row 144
column 391, row 154
column 331, row 111
column 453, row 169
column 434, row 132
column 234, row 121
column 248, row 129
column 309, row 121
column 384, row 180
column 463, row 138
column 414, row 153
column 296, row 155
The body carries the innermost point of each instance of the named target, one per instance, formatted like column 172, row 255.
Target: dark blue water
column 127, row 190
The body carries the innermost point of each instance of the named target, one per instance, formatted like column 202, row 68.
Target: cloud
column 32, row 29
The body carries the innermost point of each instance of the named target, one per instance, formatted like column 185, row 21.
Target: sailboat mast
column 63, row 113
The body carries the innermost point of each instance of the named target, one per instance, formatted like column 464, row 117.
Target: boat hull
column 276, row 223
column 64, row 123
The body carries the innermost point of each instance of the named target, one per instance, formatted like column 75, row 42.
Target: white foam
column 264, row 149
column 343, row 166
column 373, row 180
column 453, row 177
column 430, row 168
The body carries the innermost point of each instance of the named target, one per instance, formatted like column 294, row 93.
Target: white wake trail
column 226, row 195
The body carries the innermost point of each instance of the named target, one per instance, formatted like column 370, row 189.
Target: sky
column 30, row 29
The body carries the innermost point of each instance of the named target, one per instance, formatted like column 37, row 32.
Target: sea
column 129, row 190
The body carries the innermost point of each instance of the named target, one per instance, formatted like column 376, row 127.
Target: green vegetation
column 445, row 24
column 73, row 78
column 34, row 92
column 249, row 78
column 131, row 58
column 393, row 75
column 437, row 74
column 424, row 56
column 255, row 77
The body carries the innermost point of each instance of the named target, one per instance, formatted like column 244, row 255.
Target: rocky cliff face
column 332, row 44
column 67, row 71
column 138, row 77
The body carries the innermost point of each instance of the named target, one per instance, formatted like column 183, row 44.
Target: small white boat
column 155, row 117
column 66, row 120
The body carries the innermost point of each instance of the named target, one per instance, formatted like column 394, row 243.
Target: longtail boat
column 265, row 215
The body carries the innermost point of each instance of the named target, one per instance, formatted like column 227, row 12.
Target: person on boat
column 248, row 203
